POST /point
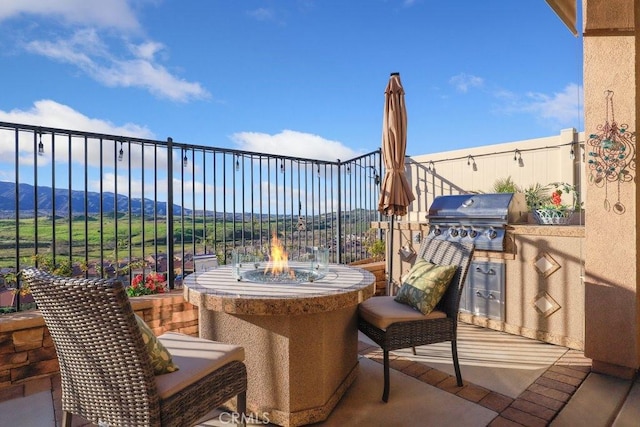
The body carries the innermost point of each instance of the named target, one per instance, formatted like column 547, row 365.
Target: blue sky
column 296, row 77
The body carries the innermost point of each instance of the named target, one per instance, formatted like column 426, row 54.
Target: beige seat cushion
column 196, row 358
column 383, row 311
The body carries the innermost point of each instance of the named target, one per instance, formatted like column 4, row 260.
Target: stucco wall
column 611, row 247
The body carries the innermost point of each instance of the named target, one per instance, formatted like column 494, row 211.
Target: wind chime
column 612, row 155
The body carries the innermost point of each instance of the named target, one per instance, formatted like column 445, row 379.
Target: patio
column 532, row 383
column 509, row 381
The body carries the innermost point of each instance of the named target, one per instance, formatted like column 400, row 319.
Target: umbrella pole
column 390, row 278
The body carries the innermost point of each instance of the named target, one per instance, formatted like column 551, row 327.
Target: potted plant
column 153, row 283
column 552, row 210
column 505, row 185
column 376, row 249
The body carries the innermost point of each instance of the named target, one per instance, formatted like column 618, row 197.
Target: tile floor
column 508, row 381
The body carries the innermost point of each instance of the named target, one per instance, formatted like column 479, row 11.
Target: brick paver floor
column 536, row 406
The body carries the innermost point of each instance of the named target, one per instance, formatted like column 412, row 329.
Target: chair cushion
column 384, row 311
column 425, row 284
column 161, row 359
column 197, row 358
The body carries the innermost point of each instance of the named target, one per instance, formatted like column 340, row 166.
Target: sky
column 300, row 78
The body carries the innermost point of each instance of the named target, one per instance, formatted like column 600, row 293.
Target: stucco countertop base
column 300, row 341
column 530, row 289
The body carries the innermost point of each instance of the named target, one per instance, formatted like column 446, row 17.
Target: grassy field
column 120, row 238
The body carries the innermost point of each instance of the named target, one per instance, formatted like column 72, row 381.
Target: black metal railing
column 91, row 204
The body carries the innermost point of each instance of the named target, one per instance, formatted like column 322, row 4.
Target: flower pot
column 550, row 216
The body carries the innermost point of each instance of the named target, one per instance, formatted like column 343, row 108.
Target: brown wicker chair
column 394, row 326
column 106, row 370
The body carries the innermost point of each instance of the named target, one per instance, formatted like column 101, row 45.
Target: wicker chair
column 106, row 370
column 394, row 326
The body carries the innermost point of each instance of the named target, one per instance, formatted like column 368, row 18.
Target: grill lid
column 500, row 208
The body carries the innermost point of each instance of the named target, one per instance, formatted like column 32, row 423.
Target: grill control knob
column 453, row 232
column 463, row 232
column 437, row 231
column 473, row 233
column 491, row 233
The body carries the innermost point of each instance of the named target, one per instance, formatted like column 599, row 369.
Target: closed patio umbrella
column 395, row 193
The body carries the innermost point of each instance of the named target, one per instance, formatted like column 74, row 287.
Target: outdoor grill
column 477, row 218
column 481, row 219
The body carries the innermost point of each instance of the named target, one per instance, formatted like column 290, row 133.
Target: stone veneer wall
column 27, row 356
column 378, row 269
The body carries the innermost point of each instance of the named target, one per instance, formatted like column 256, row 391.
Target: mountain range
column 62, row 199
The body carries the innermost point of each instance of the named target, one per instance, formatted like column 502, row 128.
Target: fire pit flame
column 277, row 268
column 279, row 260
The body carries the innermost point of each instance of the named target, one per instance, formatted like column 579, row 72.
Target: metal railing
column 91, row 204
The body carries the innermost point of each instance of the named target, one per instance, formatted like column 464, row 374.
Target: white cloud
column 52, row 114
column 86, row 50
column 463, row 82
column 146, row 50
column 95, row 55
column 100, row 13
column 560, row 109
column 294, row 144
column 262, row 14
column 49, row 113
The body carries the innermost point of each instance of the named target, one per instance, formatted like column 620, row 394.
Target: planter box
column 378, row 269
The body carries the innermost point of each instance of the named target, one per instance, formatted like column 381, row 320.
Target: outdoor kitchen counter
column 547, row 230
column 544, row 293
column 300, row 340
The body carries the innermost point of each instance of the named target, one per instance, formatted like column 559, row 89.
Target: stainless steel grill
column 478, row 218
column 481, row 219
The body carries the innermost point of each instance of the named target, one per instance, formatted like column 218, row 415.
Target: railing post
column 171, row 275
column 380, row 233
column 339, row 216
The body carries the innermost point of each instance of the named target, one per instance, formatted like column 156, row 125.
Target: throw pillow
column 161, row 359
column 425, row 284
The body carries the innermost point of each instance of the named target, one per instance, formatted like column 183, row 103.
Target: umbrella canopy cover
column 395, row 193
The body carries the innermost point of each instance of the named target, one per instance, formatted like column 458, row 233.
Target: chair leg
column 385, row 393
column 414, row 350
column 66, row 418
column 242, row 408
column 456, row 365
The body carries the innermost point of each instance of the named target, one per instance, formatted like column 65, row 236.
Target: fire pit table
column 300, row 339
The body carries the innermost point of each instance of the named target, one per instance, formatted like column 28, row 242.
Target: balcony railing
column 93, row 204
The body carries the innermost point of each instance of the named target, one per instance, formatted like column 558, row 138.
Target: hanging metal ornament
column 302, row 223
column 612, row 155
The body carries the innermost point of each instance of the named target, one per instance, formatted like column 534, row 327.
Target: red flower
column 136, row 281
column 153, row 283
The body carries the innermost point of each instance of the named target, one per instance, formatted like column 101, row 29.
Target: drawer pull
column 488, row 296
column 490, row 271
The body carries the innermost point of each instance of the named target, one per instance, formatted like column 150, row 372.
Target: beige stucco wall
column 612, row 337
column 545, row 298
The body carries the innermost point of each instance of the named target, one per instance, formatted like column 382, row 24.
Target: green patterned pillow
column 425, row 284
column 160, row 357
